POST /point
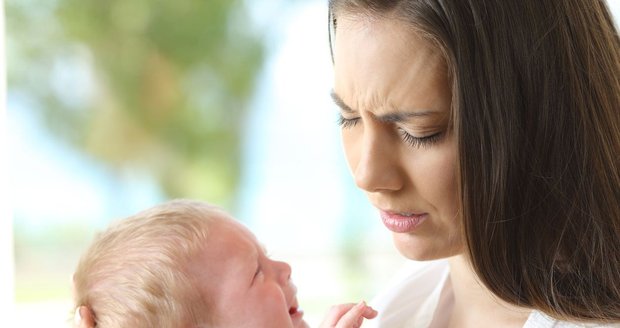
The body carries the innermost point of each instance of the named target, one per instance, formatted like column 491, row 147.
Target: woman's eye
column 347, row 122
column 415, row 142
column 418, row 142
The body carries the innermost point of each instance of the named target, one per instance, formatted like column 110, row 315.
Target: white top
column 421, row 291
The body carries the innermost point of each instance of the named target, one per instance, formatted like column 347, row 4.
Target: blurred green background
column 167, row 84
column 155, row 87
column 116, row 105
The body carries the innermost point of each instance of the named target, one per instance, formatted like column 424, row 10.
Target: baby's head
column 135, row 273
column 183, row 264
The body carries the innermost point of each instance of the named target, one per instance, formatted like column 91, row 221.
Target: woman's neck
column 475, row 305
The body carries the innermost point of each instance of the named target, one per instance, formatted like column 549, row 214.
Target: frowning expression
column 393, row 91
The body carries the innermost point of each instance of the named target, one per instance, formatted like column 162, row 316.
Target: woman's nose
column 377, row 167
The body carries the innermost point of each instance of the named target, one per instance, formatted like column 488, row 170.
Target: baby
column 189, row 264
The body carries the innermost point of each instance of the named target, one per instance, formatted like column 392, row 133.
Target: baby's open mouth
column 292, row 310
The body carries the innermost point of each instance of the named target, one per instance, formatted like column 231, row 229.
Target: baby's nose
column 284, row 271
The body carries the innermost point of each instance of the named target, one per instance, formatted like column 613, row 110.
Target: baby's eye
column 257, row 274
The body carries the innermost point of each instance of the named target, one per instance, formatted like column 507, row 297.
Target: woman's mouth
column 402, row 222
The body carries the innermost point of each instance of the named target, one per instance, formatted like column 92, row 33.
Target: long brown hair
column 536, row 110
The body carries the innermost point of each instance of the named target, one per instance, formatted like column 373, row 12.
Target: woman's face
column 394, row 96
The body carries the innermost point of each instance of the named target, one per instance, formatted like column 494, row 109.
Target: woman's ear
column 84, row 317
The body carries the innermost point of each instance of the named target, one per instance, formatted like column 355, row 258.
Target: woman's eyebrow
column 340, row 103
column 389, row 117
column 399, row 117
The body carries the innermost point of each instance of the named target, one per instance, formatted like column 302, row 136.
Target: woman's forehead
column 386, row 64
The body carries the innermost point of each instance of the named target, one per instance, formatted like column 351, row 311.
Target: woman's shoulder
column 541, row 320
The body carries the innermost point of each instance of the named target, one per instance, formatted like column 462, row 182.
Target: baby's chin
column 302, row 324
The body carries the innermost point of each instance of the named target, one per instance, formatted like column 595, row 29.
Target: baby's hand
column 348, row 315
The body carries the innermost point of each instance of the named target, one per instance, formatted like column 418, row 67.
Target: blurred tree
column 154, row 86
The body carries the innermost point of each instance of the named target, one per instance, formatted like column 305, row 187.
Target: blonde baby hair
column 133, row 274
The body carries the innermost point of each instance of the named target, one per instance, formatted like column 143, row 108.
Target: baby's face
column 247, row 289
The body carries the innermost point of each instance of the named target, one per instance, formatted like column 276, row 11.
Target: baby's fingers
column 355, row 316
column 335, row 313
column 348, row 315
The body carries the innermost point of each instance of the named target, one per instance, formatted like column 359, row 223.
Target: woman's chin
column 415, row 249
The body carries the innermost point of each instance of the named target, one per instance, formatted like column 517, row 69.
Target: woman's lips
column 400, row 222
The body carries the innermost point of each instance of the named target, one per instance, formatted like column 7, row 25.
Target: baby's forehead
column 227, row 230
column 224, row 220
column 230, row 249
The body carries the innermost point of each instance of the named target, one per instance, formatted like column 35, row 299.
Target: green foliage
column 172, row 81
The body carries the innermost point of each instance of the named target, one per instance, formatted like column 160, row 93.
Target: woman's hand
column 348, row 315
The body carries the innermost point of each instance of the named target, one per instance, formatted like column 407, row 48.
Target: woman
column 487, row 134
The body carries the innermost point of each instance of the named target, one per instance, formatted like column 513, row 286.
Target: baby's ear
column 84, row 317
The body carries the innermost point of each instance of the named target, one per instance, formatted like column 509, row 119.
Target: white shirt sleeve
column 411, row 299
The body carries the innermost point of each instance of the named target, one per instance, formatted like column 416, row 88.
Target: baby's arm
column 348, row 315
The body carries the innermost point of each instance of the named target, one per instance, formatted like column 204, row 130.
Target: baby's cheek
column 270, row 308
